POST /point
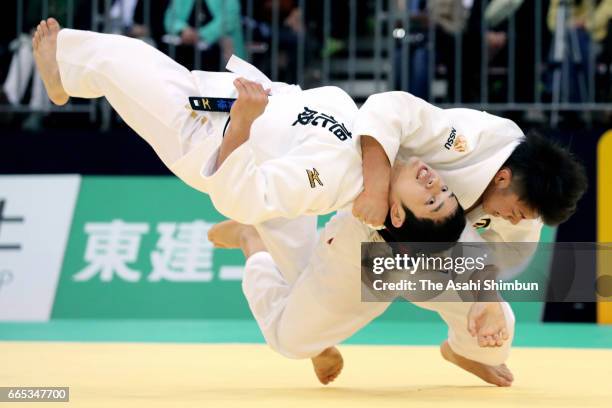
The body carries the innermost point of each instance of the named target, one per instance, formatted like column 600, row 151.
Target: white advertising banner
column 35, row 218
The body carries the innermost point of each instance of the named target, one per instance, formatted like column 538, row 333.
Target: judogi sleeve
column 313, row 178
column 520, row 242
column 397, row 119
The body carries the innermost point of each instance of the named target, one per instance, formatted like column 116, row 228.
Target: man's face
column 420, row 188
column 500, row 200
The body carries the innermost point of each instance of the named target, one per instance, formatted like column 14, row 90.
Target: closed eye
column 432, row 200
column 451, row 195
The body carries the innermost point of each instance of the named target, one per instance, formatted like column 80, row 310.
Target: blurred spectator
column 449, row 15
column 495, row 40
column 204, row 24
column 418, row 80
column 289, row 29
column 448, row 18
column 22, row 71
column 589, row 15
column 500, row 10
column 585, row 21
column 122, row 19
column 141, row 19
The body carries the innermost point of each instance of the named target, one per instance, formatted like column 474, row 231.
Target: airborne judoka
column 300, row 160
column 270, row 177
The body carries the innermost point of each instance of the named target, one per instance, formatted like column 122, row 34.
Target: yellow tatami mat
column 227, row 375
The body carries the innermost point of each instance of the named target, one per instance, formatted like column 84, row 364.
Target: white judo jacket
column 466, row 146
column 303, row 159
column 299, row 160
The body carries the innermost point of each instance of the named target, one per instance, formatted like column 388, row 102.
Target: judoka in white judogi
column 323, row 307
column 467, row 147
column 270, row 177
column 297, row 162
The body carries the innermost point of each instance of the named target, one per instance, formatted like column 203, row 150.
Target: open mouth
column 423, row 173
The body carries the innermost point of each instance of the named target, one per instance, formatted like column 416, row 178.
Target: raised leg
column 148, row 89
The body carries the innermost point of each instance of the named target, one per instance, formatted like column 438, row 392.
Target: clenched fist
column 251, row 103
column 371, row 208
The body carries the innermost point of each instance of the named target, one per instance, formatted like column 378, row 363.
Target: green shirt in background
column 225, row 21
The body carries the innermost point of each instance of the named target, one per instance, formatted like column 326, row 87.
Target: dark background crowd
column 436, row 49
column 496, row 55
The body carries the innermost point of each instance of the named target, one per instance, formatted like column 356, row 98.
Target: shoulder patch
column 456, row 142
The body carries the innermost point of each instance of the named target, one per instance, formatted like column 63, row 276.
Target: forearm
column 237, row 134
column 376, row 167
column 250, row 104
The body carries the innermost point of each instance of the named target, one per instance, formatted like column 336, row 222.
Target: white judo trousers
column 150, row 92
column 323, row 307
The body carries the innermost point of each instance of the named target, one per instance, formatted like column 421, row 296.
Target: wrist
column 376, row 193
column 240, row 124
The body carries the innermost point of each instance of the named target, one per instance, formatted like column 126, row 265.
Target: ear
column 503, row 178
column 398, row 215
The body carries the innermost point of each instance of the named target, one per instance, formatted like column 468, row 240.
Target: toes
column 44, row 28
column 328, row 377
column 504, row 334
column 53, row 24
column 498, row 379
column 37, row 37
column 507, row 373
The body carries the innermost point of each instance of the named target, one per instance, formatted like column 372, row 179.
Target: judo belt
column 205, row 104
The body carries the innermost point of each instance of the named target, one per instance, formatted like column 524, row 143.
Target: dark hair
column 547, row 177
column 419, row 230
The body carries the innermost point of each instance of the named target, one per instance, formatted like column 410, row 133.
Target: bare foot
column 44, row 44
column 499, row 375
column 227, row 234
column 328, row 365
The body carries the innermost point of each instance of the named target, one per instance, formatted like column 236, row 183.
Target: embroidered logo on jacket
column 314, row 118
column 457, row 142
column 313, row 177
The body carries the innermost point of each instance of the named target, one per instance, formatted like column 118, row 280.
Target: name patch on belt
column 205, row 104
